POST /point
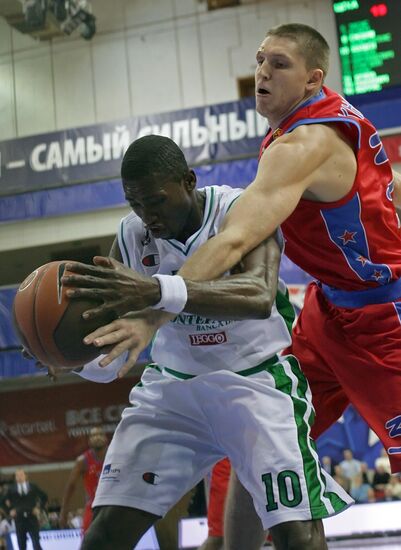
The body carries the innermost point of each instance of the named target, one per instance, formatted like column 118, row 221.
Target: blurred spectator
column 367, row 475
column 360, row 490
column 53, row 520
column 381, row 478
column 327, row 465
column 7, row 525
column 393, row 489
column 88, row 468
column 340, row 478
column 383, row 461
column 25, row 500
column 350, row 467
column 43, row 518
column 77, row 519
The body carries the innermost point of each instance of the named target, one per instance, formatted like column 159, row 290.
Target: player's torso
column 191, row 343
column 93, row 469
column 353, row 243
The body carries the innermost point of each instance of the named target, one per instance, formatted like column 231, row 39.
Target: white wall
column 148, row 56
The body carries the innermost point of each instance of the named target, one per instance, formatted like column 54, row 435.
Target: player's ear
column 190, row 180
column 315, row 80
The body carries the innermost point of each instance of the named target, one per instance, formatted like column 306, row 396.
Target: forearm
column 67, row 499
column 237, row 297
column 214, row 258
column 248, row 294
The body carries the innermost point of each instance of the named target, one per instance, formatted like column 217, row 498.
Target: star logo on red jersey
column 348, row 237
column 362, row 259
column 377, row 274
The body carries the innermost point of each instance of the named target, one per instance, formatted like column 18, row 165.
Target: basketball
column 49, row 324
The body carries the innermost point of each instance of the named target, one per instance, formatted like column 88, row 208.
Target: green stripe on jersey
column 185, row 248
column 124, row 244
column 285, row 309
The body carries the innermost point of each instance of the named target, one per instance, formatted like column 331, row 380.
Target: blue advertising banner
column 214, row 133
column 87, row 197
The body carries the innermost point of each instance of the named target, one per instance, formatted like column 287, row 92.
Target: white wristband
column 173, row 291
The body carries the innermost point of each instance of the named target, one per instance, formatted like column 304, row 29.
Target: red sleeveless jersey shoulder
column 93, row 469
column 353, row 243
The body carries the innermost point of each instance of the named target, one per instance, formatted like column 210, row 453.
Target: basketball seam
column 46, row 352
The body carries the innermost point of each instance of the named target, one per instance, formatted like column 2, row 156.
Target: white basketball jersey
column 191, row 344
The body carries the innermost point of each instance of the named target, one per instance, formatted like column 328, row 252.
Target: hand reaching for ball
column 131, row 334
column 119, row 288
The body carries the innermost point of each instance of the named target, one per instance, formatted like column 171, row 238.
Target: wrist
column 173, row 293
column 154, row 295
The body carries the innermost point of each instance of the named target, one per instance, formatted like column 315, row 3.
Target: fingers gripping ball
column 49, row 324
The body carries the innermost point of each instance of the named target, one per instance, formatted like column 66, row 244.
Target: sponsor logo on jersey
column 111, row 472
column 151, row 260
column 150, row 477
column 208, row 339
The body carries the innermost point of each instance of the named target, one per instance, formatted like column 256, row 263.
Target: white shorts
column 176, row 430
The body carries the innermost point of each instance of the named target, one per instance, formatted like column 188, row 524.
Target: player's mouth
column 262, row 91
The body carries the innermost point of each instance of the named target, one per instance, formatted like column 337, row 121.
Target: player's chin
column 161, row 234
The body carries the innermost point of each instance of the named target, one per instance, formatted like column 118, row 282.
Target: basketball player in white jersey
column 217, row 386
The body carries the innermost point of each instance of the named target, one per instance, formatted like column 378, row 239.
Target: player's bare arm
column 247, row 295
column 313, row 161
column 74, row 478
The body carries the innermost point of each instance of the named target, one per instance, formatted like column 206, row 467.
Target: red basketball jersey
column 353, row 243
column 92, row 474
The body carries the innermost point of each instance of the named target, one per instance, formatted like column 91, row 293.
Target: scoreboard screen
column 369, row 36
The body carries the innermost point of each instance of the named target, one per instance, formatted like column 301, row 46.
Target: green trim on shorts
column 246, row 372
column 285, row 309
column 148, row 366
column 310, row 465
column 313, row 472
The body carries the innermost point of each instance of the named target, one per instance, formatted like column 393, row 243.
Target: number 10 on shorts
column 289, row 489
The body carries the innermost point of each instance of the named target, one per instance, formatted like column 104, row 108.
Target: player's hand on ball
column 120, row 288
column 128, row 334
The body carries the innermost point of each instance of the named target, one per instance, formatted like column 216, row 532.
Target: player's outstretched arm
column 246, row 295
column 73, row 480
column 312, row 158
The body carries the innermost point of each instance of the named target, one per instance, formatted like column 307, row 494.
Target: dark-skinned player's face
column 163, row 206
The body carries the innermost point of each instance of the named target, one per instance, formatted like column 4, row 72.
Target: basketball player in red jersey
column 325, row 177
column 88, row 467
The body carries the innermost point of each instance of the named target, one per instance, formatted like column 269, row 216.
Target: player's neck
column 99, row 453
column 195, row 217
column 276, row 122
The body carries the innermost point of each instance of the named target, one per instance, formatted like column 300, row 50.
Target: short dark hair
column 151, row 156
column 312, row 45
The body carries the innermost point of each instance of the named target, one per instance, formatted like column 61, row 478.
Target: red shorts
column 217, row 497
column 353, row 356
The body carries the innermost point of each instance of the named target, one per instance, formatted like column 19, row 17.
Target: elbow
column 262, row 302
column 235, row 247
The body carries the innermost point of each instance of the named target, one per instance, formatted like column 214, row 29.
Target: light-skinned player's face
column 165, row 207
column 282, row 80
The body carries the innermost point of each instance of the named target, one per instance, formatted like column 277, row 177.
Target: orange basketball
column 50, row 326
